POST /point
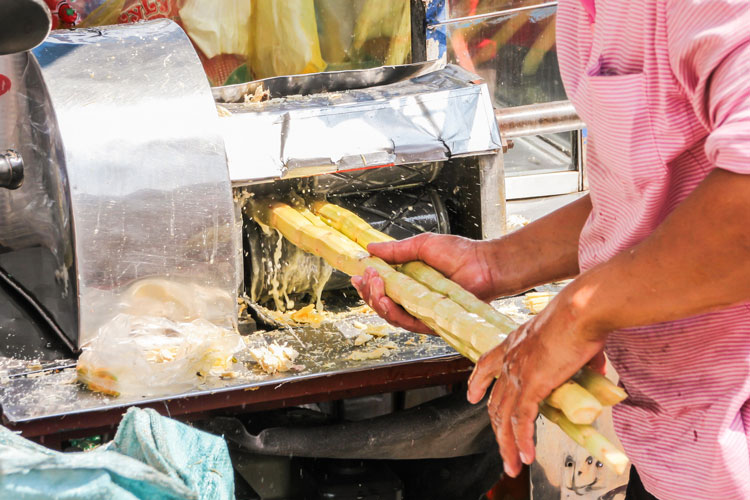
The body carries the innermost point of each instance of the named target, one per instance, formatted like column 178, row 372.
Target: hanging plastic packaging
column 336, row 20
column 218, row 26
column 107, row 13
column 383, row 32
column 284, row 39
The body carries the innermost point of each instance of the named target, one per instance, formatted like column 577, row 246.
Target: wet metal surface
column 31, row 391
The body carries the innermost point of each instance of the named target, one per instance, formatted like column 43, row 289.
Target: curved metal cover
column 36, row 237
column 147, row 173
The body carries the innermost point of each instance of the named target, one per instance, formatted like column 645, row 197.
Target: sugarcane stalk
column 589, row 438
column 428, row 275
column 468, row 333
column 358, row 230
column 600, row 386
column 350, row 224
column 585, row 412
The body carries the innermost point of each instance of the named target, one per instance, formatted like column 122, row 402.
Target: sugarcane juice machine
column 122, row 169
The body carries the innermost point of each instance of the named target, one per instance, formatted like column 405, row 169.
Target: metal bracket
column 11, row 170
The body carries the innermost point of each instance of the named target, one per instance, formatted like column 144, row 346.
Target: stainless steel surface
column 535, row 208
column 374, row 179
column 126, row 173
column 492, row 192
column 512, row 50
column 323, row 351
column 433, row 117
column 24, row 24
column 541, row 154
column 11, row 170
column 36, row 232
column 333, row 81
column 461, row 8
column 537, row 119
column 500, row 10
column 545, row 184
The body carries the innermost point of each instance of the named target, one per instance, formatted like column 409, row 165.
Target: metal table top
column 32, row 391
column 42, row 398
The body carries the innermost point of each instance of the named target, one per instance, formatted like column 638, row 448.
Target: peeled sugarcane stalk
column 358, row 230
column 585, row 413
column 600, row 386
column 588, row 437
column 469, row 333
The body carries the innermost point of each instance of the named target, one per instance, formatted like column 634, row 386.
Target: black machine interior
column 401, row 201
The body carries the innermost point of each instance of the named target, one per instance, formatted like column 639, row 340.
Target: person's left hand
column 535, row 359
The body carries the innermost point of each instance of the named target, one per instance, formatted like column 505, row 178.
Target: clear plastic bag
column 152, row 356
column 167, row 337
column 179, row 302
column 336, row 20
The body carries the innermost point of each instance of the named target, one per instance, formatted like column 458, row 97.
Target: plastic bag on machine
column 168, row 338
column 153, row 356
column 364, row 33
column 336, row 28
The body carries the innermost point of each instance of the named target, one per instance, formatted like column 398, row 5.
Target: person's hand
column 535, row 359
column 467, row 262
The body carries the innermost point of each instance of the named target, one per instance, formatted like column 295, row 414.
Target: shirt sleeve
column 709, row 51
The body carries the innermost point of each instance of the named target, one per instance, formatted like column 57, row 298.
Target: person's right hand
column 467, row 262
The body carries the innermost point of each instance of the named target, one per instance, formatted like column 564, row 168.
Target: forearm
column 545, row 250
column 697, row 261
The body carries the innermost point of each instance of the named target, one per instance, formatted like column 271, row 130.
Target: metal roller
column 376, row 179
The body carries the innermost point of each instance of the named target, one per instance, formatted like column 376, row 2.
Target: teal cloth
column 151, row 458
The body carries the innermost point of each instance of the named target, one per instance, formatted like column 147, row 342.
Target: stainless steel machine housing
column 125, row 173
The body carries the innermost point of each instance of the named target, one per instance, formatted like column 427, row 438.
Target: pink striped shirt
column 664, row 86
